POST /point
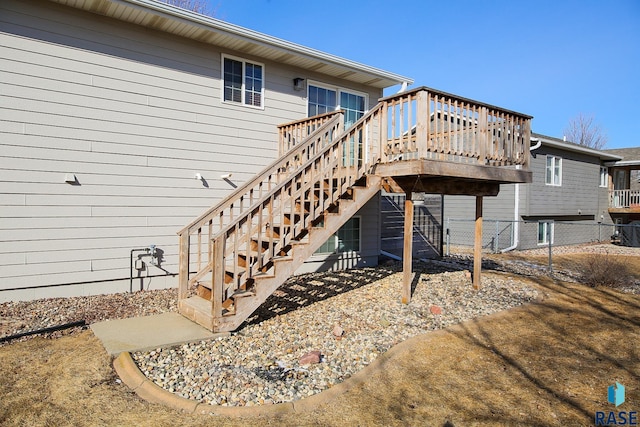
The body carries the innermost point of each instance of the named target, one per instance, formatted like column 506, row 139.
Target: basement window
column 347, row 239
column 243, row 82
column 545, row 229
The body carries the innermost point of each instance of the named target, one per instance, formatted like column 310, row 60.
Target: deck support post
column 477, row 245
column 407, row 251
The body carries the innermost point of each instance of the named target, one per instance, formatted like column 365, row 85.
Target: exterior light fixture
column 298, row 83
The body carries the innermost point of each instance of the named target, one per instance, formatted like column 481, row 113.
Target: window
column 347, row 239
column 243, row 82
column 604, row 176
column 554, row 171
column 321, row 100
column 545, row 228
column 325, row 99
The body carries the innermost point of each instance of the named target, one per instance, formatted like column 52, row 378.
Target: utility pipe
column 516, row 206
column 44, row 330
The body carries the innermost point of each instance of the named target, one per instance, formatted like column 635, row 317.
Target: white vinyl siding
column 553, row 175
column 135, row 115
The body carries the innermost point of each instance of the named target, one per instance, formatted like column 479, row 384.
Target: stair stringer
column 265, row 286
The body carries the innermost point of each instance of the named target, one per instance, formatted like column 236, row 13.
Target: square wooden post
column 477, row 245
column 183, row 269
column 407, row 251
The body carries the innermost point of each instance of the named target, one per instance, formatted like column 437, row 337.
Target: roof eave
column 553, row 142
column 377, row 77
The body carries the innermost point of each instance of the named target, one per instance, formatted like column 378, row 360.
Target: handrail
column 279, row 164
column 459, row 98
column 336, row 141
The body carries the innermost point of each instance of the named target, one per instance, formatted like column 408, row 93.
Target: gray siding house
column 121, row 120
column 570, row 185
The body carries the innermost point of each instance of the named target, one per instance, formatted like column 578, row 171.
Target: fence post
column 496, row 244
column 448, row 237
column 599, row 232
column 550, row 251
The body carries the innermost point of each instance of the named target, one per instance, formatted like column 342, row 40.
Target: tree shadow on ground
column 546, row 363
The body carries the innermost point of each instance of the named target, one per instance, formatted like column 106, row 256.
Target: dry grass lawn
column 544, row 364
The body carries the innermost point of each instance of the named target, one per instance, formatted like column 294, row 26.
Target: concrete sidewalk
column 149, row 332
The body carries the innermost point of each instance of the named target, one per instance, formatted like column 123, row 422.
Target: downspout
column 516, row 207
column 516, row 219
column 404, row 86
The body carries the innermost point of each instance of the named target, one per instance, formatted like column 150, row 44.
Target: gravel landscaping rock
column 270, row 362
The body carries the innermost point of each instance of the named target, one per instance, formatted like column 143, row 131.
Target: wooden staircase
column 254, row 240
column 238, row 252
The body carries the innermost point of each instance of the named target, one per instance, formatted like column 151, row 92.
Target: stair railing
column 213, row 220
column 245, row 248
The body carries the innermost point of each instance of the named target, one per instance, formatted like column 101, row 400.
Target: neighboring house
column 121, row 121
column 624, row 200
column 125, row 121
column 570, row 185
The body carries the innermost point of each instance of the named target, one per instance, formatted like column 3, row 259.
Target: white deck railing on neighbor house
column 624, row 198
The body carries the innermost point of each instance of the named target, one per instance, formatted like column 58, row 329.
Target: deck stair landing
column 240, row 251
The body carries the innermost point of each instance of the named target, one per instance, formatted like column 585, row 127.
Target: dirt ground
column 544, row 364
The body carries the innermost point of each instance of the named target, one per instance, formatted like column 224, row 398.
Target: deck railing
column 624, row 199
column 293, row 133
column 429, row 124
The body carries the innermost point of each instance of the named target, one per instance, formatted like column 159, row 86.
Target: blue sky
column 549, row 59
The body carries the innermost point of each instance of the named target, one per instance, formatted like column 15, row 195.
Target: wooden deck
column 239, row 251
column 624, row 201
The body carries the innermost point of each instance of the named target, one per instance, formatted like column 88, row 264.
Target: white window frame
column 243, row 87
column 545, row 224
column 555, row 160
column 337, row 241
column 604, row 177
column 338, row 90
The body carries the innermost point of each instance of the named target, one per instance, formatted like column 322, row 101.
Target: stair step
column 243, row 293
column 274, row 232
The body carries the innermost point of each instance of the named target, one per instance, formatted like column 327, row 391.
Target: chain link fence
column 501, row 235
